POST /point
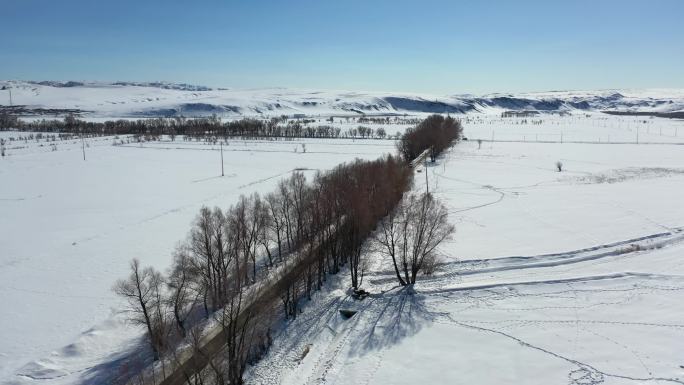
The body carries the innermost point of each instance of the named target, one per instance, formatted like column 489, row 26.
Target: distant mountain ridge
column 163, row 99
column 163, row 85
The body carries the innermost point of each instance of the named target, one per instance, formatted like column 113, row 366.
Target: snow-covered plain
column 552, row 278
column 543, row 279
column 577, row 127
column 69, row 228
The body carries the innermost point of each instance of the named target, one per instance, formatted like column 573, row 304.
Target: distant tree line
column 436, row 133
column 190, row 127
column 386, row 120
column 670, row 115
column 14, row 142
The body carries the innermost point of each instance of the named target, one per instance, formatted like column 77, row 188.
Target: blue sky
column 441, row 47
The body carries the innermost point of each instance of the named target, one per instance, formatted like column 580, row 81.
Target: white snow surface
column 571, row 277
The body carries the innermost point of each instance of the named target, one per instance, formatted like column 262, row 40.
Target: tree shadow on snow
column 395, row 315
column 120, row 367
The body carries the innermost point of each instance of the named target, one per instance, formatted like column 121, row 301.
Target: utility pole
column 83, row 145
column 222, row 174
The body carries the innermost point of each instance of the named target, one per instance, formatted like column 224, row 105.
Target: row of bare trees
column 249, row 266
column 241, row 262
column 191, row 127
column 436, row 133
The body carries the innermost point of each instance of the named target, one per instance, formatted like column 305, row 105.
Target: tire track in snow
column 582, row 367
column 326, row 362
column 627, row 247
column 551, row 282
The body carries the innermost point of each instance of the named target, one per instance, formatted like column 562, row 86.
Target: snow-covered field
column 572, row 277
column 509, row 199
column 552, row 278
column 69, row 228
column 578, row 127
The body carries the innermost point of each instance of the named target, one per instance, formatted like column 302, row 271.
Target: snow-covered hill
column 157, row 99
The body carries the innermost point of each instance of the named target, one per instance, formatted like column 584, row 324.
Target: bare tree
column 245, row 224
column 142, row 290
column 266, row 229
column 285, row 209
column 298, row 189
column 235, row 321
column 411, row 234
column 277, row 220
column 204, row 257
column 353, row 237
column 257, row 223
column 390, row 238
column 181, row 294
